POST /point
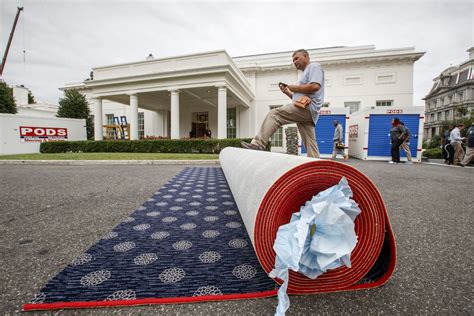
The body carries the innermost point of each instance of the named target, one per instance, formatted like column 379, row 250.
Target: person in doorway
column 337, row 148
column 207, row 133
column 456, row 143
column 470, row 146
column 307, row 97
column 397, row 134
column 406, row 143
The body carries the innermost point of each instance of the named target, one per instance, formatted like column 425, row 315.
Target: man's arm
column 307, row 88
column 403, row 132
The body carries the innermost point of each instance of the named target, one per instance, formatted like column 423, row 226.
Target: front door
column 200, row 123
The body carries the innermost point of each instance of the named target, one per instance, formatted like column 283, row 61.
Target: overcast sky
column 63, row 40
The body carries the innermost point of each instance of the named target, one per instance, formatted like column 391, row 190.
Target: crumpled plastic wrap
column 321, row 236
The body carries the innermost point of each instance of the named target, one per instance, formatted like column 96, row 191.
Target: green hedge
column 213, row 146
column 433, row 153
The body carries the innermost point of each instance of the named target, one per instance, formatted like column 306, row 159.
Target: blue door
column 379, row 133
column 325, row 132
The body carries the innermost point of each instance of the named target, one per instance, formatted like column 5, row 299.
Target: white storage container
column 325, row 130
column 369, row 132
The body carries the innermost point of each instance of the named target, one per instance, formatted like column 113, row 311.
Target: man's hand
column 286, row 90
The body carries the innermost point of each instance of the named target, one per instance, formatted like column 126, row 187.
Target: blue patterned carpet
column 188, row 240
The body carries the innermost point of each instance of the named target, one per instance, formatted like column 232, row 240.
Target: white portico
column 206, row 84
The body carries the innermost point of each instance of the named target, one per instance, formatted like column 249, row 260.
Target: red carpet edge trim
column 146, row 301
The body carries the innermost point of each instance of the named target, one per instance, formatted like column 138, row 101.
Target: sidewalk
column 440, row 162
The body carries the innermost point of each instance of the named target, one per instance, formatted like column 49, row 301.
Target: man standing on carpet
column 307, row 97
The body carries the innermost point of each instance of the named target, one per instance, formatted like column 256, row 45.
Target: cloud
column 64, row 40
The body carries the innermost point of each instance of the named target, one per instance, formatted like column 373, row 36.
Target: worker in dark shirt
column 397, row 134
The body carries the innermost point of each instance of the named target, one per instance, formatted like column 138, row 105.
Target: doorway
column 200, row 124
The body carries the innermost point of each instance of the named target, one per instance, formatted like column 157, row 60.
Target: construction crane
column 4, row 60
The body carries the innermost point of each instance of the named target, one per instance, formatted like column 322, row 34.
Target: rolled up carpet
column 268, row 188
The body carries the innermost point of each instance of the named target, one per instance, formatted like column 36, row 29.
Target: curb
column 108, row 162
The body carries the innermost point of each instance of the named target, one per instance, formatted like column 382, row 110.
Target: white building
column 231, row 96
column 452, row 95
column 37, row 109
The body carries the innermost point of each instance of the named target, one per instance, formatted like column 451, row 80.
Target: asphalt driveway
column 50, row 214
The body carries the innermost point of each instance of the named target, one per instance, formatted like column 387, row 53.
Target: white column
column 98, row 120
column 222, row 112
column 133, row 117
column 165, row 123
column 174, row 114
column 153, row 123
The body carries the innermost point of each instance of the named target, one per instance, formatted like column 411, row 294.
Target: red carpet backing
column 294, row 183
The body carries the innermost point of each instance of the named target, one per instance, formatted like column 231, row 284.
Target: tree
column 75, row 105
column 7, row 101
column 31, row 98
column 462, row 111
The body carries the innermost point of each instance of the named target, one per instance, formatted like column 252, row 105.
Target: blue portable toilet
column 369, row 132
column 324, row 130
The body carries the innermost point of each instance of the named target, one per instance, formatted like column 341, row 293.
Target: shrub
column 433, row 153
column 434, row 142
column 211, row 146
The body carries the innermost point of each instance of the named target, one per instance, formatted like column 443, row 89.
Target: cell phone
column 282, row 84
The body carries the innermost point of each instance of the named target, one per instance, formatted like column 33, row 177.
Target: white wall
column 39, row 112
column 368, row 91
column 358, row 146
column 10, row 141
column 21, row 95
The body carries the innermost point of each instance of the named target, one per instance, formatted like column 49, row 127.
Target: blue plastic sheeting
column 318, row 238
column 379, row 133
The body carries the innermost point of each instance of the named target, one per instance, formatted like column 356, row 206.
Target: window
column 273, row 86
column 353, row 106
column 432, row 117
column 109, row 118
column 325, row 104
column 385, row 78
column 232, row 123
column 91, row 130
column 352, row 80
column 438, row 116
column 277, row 137
column 446, row 115
column 327, row 81
column 384, row 103
column 141, row 125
